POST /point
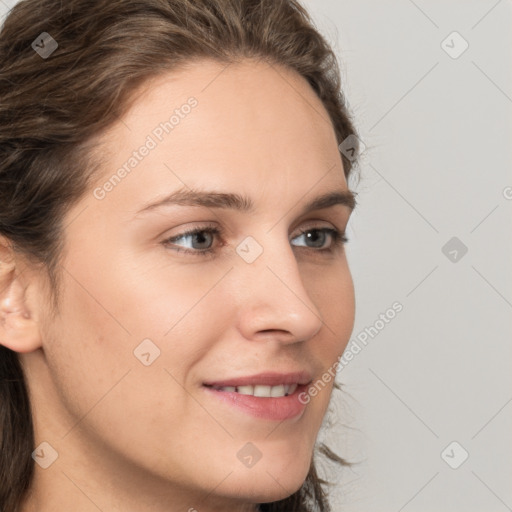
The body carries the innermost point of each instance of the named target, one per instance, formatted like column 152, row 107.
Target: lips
column 270, row 396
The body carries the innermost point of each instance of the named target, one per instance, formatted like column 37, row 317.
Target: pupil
column 317, row 237
column 201, row 238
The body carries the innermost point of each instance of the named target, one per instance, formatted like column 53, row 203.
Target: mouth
column 259, row 390
column 267, row 396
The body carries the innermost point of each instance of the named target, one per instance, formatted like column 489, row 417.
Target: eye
column 196, row 241
column 201, row 241
column 316, row 238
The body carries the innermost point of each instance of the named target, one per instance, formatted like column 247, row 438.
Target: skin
column 132, row 437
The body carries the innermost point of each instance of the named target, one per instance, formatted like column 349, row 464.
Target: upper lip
column 264, row 379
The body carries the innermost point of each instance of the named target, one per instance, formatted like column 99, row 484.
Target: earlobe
column 19, row 330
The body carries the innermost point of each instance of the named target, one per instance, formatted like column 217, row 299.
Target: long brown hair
column 55, row 100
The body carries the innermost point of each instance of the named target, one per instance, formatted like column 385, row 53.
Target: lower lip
column 276, row 409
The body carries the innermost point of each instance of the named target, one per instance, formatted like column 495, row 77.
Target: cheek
column 332, row 292
column 87, row 345
column 111, row 326
column 106, row 391
column 342, row 312
column 157, row 298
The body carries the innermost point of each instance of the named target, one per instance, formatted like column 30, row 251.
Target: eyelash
column 338, row 240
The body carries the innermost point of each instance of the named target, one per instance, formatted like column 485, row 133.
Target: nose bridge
column 274, row 297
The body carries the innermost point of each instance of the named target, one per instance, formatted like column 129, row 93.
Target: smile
column 268, row 396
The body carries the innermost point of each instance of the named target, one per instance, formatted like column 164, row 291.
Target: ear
column 19, row 330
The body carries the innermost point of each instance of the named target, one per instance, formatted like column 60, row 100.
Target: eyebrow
column 212, row 199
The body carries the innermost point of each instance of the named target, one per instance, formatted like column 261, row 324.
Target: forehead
column 254, row 124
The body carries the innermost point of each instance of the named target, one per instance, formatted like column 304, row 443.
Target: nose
column 272, row 301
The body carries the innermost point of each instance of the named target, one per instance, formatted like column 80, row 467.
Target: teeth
column 292, row 388
column 262, row 391
column 277, row 391
column 245, row 390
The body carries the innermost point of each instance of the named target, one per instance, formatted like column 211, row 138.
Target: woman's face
column 145, row 381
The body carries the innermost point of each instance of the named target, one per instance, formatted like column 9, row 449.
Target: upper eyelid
column 312, row 223
column 221, row 231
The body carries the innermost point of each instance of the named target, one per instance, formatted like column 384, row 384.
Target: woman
column 174, row 293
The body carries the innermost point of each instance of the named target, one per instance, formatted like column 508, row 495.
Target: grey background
column 438, row 133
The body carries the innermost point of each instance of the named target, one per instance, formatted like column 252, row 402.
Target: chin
column 271, row 482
